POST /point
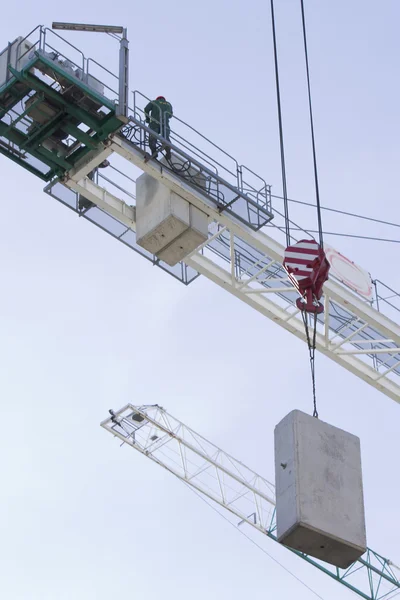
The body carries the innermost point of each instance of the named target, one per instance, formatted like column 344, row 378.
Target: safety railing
column 117, row 183
column 45, row 42
column 249, row 263
column 225, row 164
column 202, row 163
column 386, row 299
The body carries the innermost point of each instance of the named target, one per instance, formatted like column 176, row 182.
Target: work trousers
column 165, row 132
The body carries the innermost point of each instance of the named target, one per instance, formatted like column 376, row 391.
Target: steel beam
column 256, row 239
column 106, row 201
column 265, row 305
column 276, row 313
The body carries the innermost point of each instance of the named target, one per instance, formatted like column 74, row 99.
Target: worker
column 158, row 113
column 84, row 203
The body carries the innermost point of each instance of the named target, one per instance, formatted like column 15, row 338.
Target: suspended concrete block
column 167, row 225
column 319, row 490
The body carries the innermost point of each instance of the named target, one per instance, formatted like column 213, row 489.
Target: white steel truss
column 248, row 264
column 223, row 479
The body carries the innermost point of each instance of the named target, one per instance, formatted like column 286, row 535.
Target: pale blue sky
column 87, row 325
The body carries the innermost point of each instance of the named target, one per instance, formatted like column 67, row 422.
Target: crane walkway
column 58, row 119
column 248, row 264
column 232, row 187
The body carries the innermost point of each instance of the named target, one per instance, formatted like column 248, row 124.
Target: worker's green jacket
column 158, row 111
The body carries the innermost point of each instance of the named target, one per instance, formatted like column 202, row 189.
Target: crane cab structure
column 54, row 107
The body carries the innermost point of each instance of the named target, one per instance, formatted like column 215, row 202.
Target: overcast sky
column 87, row 325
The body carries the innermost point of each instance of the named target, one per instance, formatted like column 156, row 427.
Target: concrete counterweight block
column 319, row 490
column 167, row 225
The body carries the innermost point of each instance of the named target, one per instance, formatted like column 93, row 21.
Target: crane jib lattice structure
column 60, row 118
column 250, row 497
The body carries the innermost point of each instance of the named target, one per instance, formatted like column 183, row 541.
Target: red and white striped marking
column 299, row 258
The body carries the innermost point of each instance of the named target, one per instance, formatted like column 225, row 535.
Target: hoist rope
column 338, row 234
column 311, row 348
column 341, row 212
column 312, row 128
column 281, row 140
column 295, row 227
column 312, row 344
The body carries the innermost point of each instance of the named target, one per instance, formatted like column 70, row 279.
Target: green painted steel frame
column 103, row 127
column 102, row 100
column 32, row 143
column 44, row 176
column 383, row 571
column 17, row 137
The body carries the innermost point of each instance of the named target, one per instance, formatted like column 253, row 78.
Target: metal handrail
column 92, row 60
column 197, row 133
column 175, row 135
column 209, row 141
column 116, row 185
column 226, row 190
column 242, row 266
column 44, row 45
column 379, row 298
column 218, row 179
column 193, row 150
column 46, row 29
column 201, row 167
column 252, row 191
column 255, row 175
column 25, row 53
column 192, row 128
column 208, row 159
column 122, row 173
column 33, row 44
column 47, row 45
